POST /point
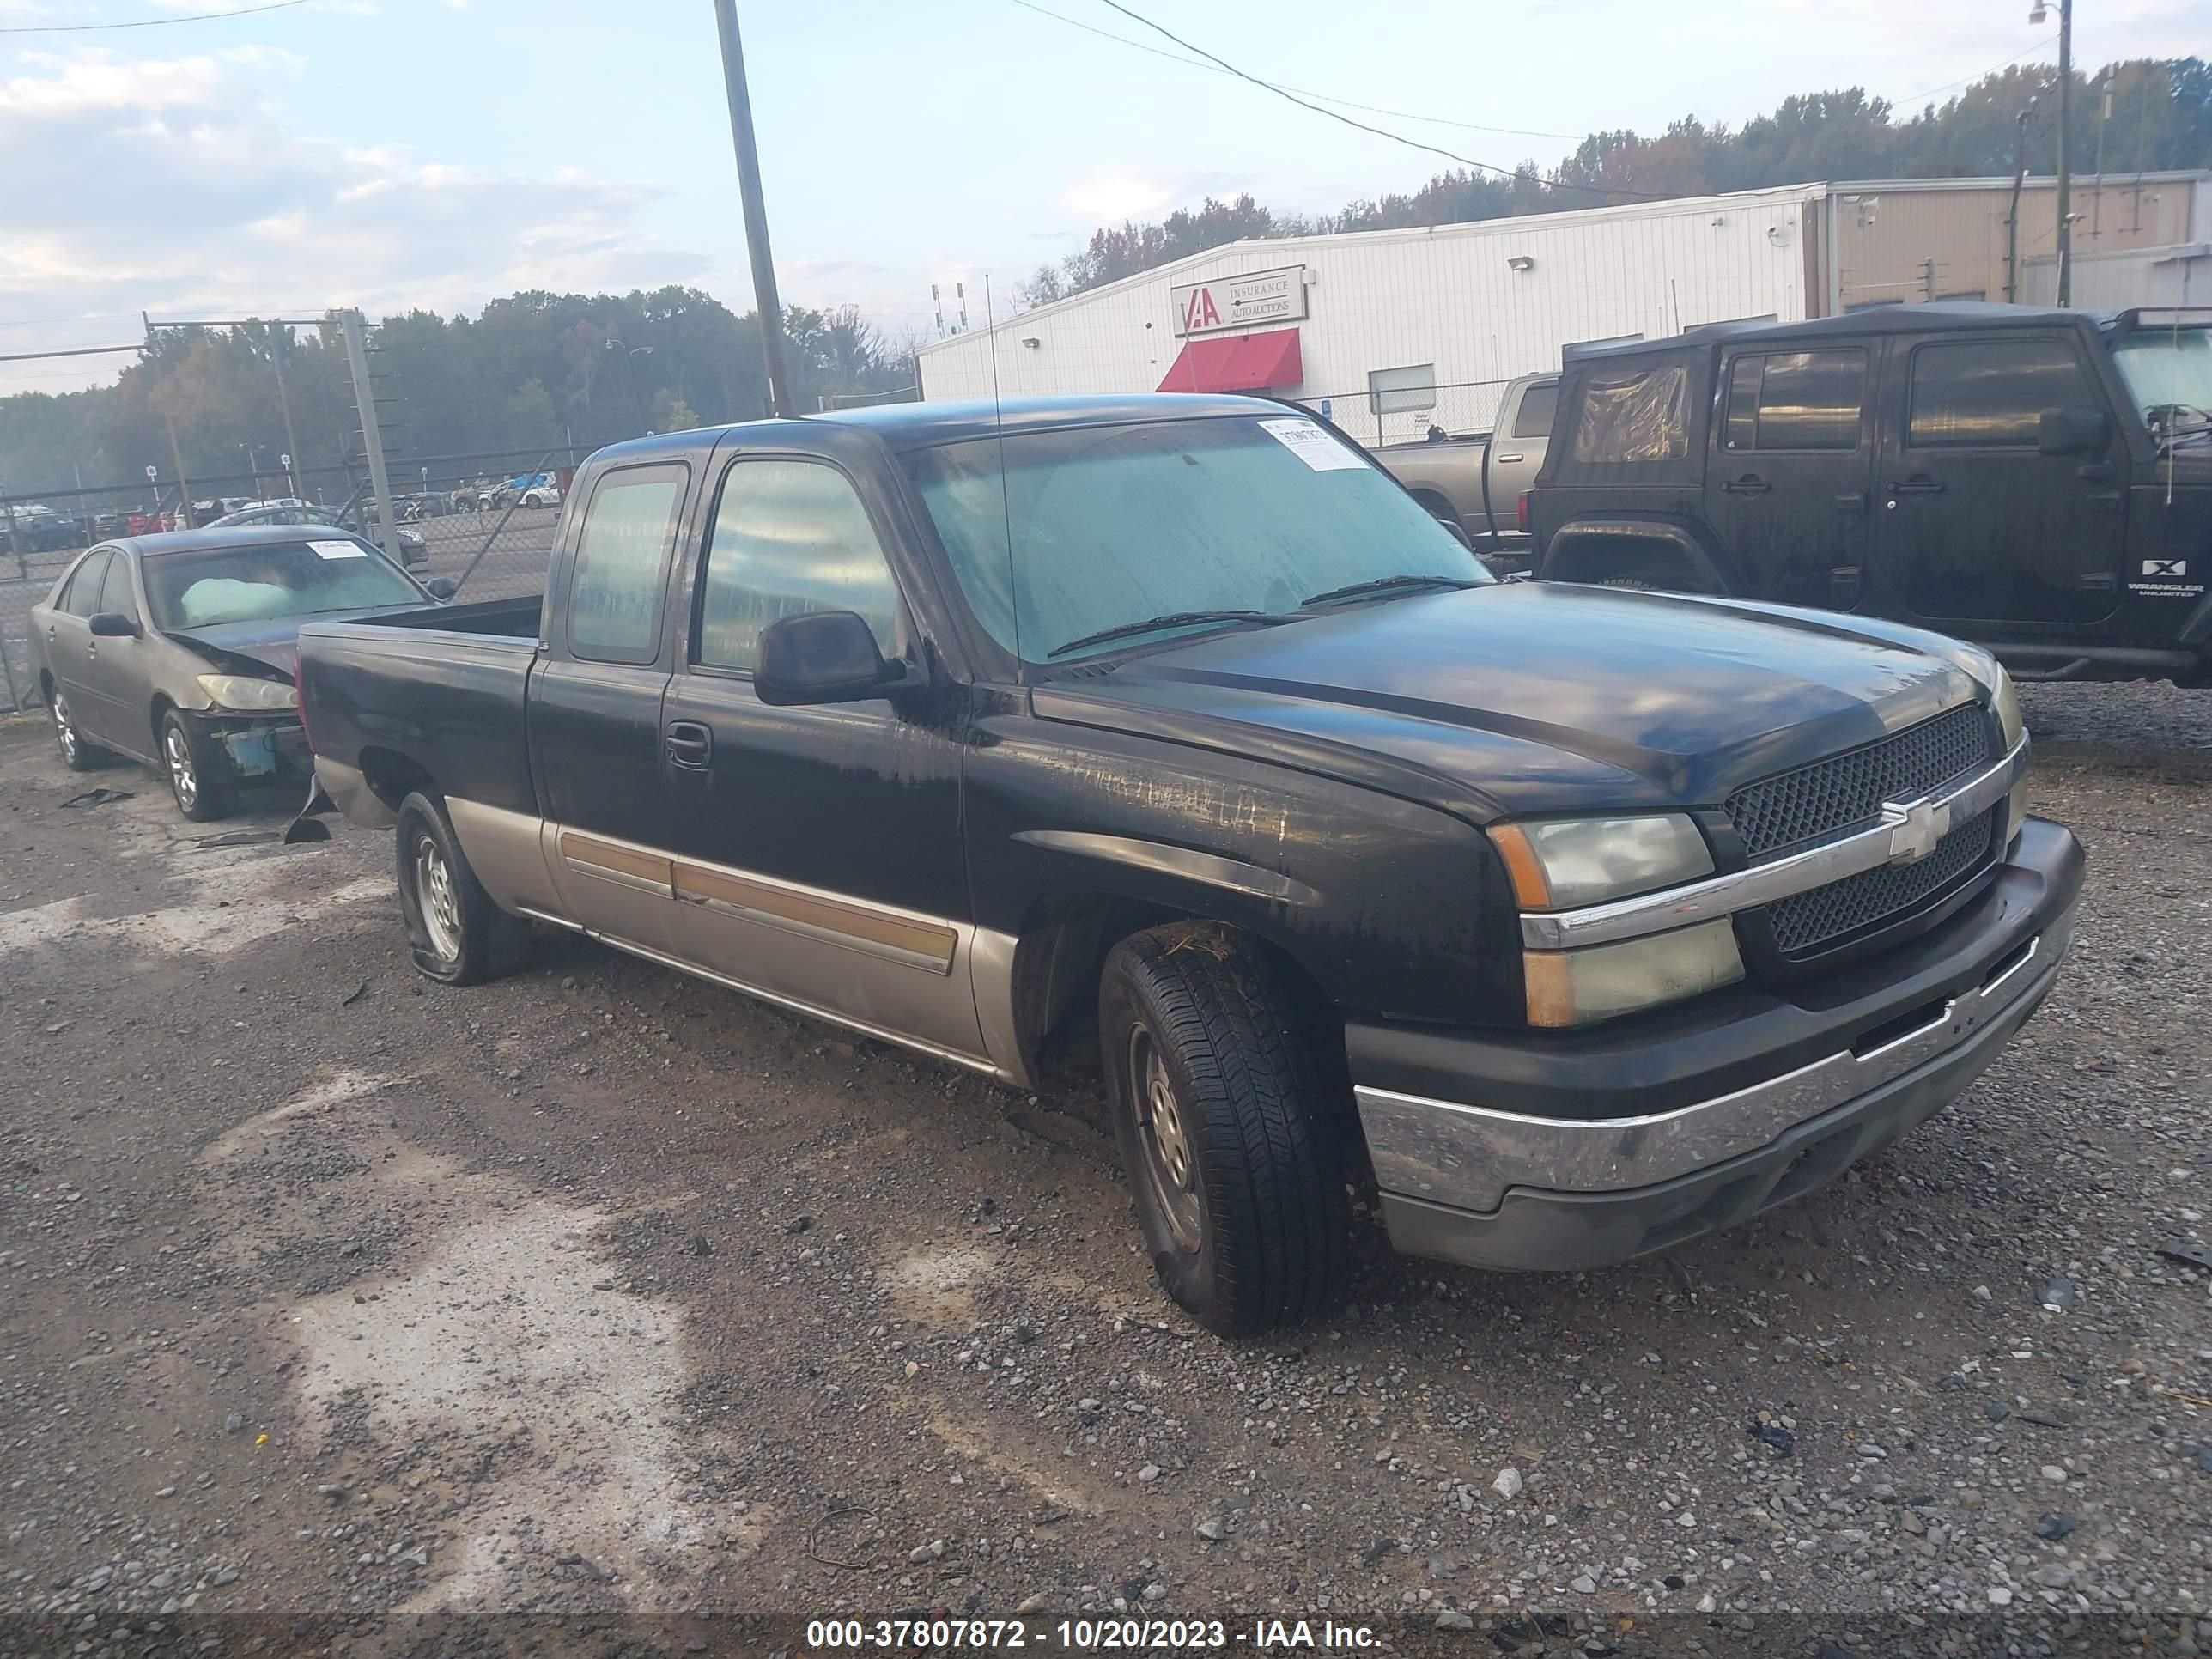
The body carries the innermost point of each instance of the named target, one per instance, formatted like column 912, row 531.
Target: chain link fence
column 486, row 520
column 1463, row 408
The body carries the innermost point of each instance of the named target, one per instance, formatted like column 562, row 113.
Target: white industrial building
column 1388, row 331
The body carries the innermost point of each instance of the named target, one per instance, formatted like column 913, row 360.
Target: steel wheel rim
column 177, row 750
column 440, row 905
column 1164, row 1128
column 64, row 727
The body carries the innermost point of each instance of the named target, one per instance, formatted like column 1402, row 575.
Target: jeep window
column 1795, row 400
column 1640, row 416
column 1112, row 524
column 789, row 538
column 614, row 590
column 1991, row 393
column 1538, row 404
column 2168, row 373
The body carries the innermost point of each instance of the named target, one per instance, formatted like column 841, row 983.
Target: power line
column 1918, row 96
column 1215, row 69
column 143, row 22
column 1385, row 132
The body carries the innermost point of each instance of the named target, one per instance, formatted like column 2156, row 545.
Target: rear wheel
column 1220, row 1115
column 199, row 773
column 77, row 754
column 457, row 935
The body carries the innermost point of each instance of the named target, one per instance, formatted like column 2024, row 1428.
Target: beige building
column 1883, row 241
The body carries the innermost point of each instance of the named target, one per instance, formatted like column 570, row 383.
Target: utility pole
column 765, row 302
column 372, row 439
column 279, row 344
column 2065, row 161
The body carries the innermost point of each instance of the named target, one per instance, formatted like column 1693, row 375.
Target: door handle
column 1750, row 484
column 1504, row 461
column 1853, row 500
column 1914, row 487
column 690, row 744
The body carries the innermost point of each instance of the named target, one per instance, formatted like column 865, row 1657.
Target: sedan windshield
column 2169, row 374
column 272, row 579
column 1193, row 524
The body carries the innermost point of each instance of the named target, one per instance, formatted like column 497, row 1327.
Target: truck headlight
column 1568, row 862
column 247, row 695
column 1573, row 987
column 2004, row 701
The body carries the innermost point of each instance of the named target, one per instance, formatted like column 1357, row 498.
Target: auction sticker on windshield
column 339, row 550
column 1315, row 447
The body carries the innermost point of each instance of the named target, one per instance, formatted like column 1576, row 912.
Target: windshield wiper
column 1171, row 619
column 1384, row 584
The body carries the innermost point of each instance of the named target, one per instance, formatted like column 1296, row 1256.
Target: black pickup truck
column 1587, row 922
column 2039, row 482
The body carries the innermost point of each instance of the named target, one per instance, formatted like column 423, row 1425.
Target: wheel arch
column 1596, row 551
column 392, row 776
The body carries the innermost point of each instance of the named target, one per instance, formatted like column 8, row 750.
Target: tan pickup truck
column 1476, row 481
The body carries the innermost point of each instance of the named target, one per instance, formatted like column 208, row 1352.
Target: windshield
column 272, row 579
column 2169, row 374
column 1114, row 525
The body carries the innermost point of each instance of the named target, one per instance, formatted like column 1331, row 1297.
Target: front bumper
column 1562, row 1153
column 259, row 746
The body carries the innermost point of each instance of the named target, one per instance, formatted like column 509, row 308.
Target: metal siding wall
column 1445, row 296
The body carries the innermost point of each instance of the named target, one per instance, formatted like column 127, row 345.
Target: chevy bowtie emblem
column 1915, row 829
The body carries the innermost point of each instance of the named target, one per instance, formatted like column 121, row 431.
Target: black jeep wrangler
column 2037, row 481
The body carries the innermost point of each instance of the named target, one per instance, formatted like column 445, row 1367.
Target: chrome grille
column 1805, row 922
column 1845, row 791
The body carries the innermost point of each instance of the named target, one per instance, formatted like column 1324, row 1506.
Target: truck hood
column 1537, row 696
column 264, row 645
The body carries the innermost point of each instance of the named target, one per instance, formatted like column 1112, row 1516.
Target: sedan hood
column 1531, row 696
column 263, row 646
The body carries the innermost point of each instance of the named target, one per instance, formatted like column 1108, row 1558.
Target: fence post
column 371, row 436
column 8, row 667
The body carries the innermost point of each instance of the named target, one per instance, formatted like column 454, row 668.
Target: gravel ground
column 602, row 1293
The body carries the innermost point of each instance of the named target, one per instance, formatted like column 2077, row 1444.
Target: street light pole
column 769, row 307
column 2065, row 161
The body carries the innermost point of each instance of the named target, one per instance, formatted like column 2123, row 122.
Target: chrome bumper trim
column 1469, row 1156
column 1907, row 832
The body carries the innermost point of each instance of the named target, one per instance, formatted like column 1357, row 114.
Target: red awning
column 1237, row 363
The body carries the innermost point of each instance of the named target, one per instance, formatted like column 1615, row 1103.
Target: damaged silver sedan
column 177, row 650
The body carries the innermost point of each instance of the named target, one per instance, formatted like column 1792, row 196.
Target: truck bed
column 441, row 688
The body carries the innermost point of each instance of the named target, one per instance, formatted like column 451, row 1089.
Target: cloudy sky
column 400, row 153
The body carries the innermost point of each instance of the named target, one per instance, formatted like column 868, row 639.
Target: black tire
column 201, row 782
column 77, row 754
column 455, row 934
column 1256, row 1232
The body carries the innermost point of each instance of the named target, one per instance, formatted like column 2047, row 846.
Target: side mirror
column 822, row 656
column 112, row 625
column 441, row 587
column 2073, row 432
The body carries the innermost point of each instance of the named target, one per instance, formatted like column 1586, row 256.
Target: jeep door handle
column 690, row 744
column 1914, row 487
column 1750, row 484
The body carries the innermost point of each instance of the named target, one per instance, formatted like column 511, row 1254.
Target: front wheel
column 1224, row 1127
column 200, row 777
column 457, row 936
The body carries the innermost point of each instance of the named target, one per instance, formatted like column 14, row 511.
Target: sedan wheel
column 76, row 754
column 199, row 775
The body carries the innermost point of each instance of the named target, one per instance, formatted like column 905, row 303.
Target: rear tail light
column 1521, row 513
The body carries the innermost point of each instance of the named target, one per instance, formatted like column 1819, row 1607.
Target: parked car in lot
column 1477, row 481
column 177, row 650
column 36, row 528
column 2038, row 481
column 1168, row 728
column 413, row 550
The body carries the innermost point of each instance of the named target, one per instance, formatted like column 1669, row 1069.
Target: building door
column 1972, row 524
column 1793, row 460
column 818, row 850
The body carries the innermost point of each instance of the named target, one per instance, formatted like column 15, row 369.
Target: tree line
column 2161, row 118
column 530, row 372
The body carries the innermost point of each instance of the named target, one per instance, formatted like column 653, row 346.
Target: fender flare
column 1681, row 540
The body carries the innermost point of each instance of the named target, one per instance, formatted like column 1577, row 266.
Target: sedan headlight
column 1573, row 987
column 2004, row 700
column 247, row 695
column 1569, row 862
